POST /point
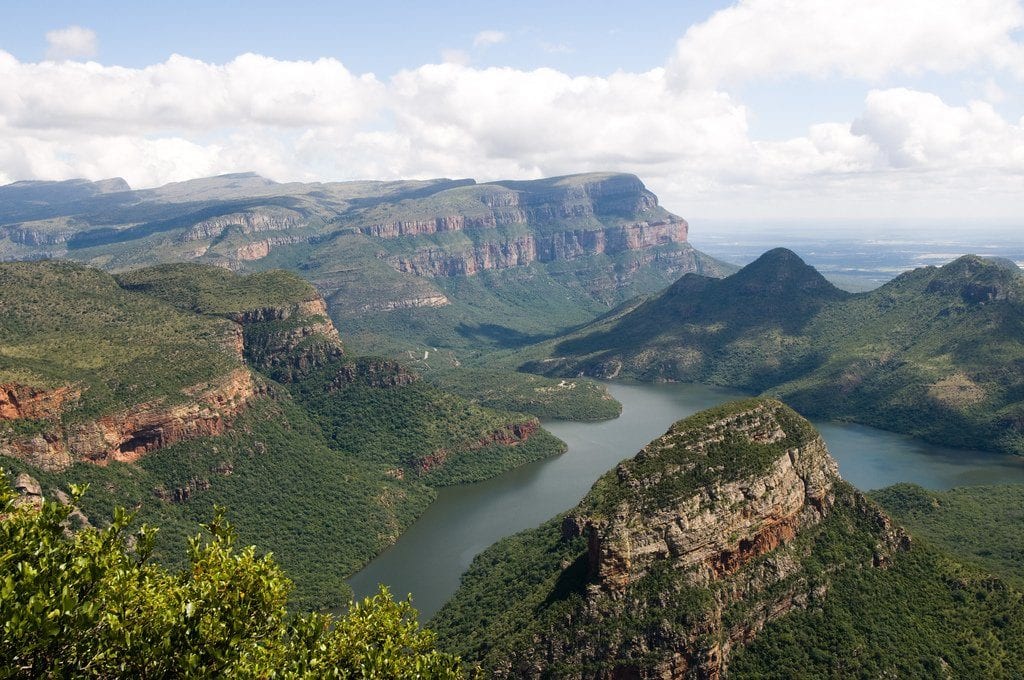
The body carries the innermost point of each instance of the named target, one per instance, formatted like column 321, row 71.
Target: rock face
column 694, row 545
column 720, row 527
column 289, row 341
column 127, row 435
column 248, row 222
column 528, row 248
column 371, row 373
column 30, row 403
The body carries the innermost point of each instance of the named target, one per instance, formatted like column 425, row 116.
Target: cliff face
column 289, row 341
column 249, row 222
column 687, row 551
column 720, row 527
column 528, row 248
column 130, row 433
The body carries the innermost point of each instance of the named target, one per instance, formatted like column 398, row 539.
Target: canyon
column 404, row 249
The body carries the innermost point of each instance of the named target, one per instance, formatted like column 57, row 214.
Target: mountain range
column 936, row 352
column 405, row 264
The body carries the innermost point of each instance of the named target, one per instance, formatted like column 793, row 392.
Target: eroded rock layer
column 680, row 554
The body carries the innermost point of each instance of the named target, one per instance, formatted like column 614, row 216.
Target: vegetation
column 733, row 455
column 925, row 616
column 420, row 432
column 65, row 324
column 980, row 525
column 505, row 390
column 324, row 232
column 91, row 603
column 324, row 513
column 214, row 290
column 864, row 604
column 325, row 471
column 935, row 353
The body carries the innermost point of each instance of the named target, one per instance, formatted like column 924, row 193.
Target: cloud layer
column 681, row 127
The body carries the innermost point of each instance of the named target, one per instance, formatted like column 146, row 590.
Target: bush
column 90, row 603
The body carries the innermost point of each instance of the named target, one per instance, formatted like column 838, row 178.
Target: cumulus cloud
column 303, row 120
column 918, row 130
column 865, row 39
column 73, row 42
column 488, row 38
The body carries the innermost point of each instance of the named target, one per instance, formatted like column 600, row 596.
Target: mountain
column 440, row 263
column 936, row 353
column 729, row 545
column 177, row 388
column 707, row 330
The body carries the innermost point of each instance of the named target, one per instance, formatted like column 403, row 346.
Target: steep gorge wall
column 523, row 250
column 129, row 434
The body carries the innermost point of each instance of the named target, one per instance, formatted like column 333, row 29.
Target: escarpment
column 678, row 556
column 118, row 398
column 127, row 434
column 520, row 251
column 716, row 528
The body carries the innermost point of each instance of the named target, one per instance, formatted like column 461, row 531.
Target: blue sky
column 800, row 109
column 379, row 37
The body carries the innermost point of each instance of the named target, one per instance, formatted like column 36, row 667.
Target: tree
column 91, row 603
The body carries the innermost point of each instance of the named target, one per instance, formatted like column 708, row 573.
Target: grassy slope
column 63, row 323
column 982, row 525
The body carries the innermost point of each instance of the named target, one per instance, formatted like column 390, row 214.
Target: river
column 429, row 558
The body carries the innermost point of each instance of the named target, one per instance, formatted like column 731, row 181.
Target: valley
column 393, row 383
column 468, row 519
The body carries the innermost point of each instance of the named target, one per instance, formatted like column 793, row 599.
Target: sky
column 903, row 110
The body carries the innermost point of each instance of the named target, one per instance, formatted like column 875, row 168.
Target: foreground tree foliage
column 91, row 603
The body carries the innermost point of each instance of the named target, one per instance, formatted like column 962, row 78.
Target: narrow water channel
column 430, row 557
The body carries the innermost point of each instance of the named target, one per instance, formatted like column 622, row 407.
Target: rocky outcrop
column 30, row 403
column 527, row 248
column 257, row 250
column 706, row 524
column 370, row 372
column 247, row 222
column 48, row 233
column 127, row 435
column 719, row 527
column 289, row 341
column 592, row 197
column 406, row 303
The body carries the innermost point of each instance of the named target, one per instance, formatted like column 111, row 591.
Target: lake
column 429, row 558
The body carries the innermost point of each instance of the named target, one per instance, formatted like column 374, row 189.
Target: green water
column 430, row 557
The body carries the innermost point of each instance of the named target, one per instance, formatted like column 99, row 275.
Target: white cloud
column 918, row 130
column 906, row 150
column 864, row 39
column 488, row 38
column 183, row 93
column 72, row 42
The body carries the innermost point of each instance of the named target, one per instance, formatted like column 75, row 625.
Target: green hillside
column 67, row 324
column 321, row 457
column 936, row 353
column 980, row 525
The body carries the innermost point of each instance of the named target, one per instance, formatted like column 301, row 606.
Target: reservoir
column 429, row 558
